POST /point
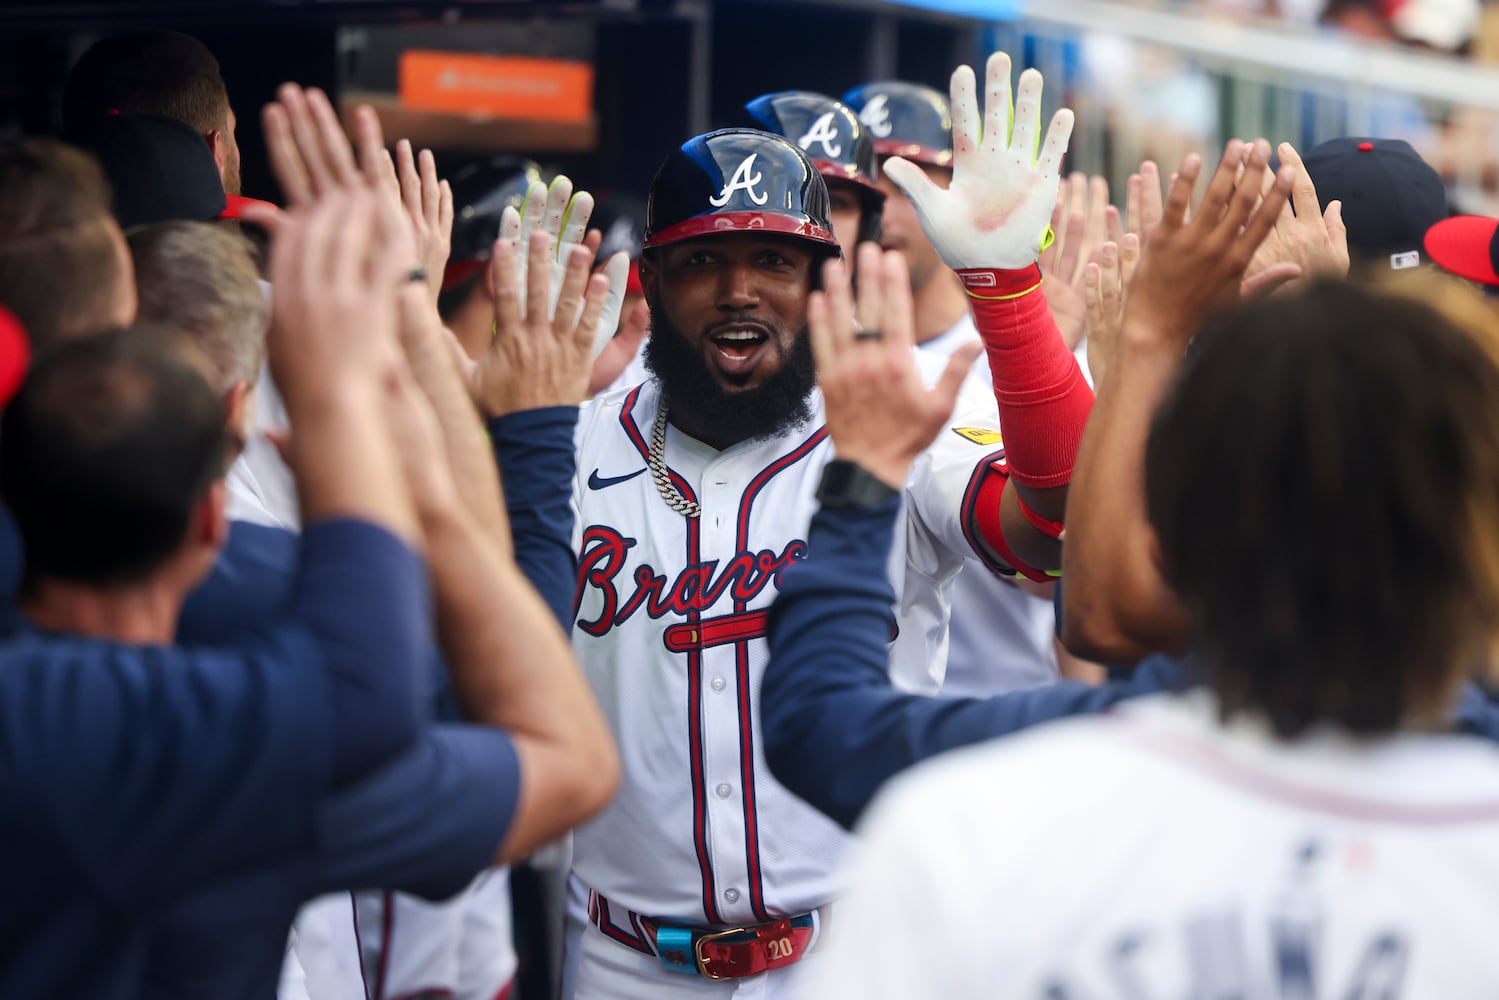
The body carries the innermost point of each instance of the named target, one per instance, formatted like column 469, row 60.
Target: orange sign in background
column 503, row 86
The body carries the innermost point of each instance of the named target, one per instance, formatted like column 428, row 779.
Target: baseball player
column 1002, row 635
column 830, row 134
column 1305, row 826
column 694, row 491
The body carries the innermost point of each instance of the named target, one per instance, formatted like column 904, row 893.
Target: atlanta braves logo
column 744, row 179
column 876, row 117
column 697, row 587
column 824, row 134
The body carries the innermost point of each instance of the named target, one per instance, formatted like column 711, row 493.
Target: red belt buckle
column 770, row 946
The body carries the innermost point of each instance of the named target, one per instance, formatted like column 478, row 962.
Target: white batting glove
column 996, row 214
column 564, row 216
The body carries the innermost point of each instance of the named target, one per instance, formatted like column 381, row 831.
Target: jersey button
column 718, row 684
column 723, row 790
column 732, row 895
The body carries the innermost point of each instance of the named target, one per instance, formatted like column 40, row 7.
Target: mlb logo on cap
column 1405, row 261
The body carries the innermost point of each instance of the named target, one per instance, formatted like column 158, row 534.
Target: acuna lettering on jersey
column 697, row 588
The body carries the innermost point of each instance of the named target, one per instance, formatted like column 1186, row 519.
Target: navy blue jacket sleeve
column 363, row 596
column 534, row 449
column 249, row 587
column 427, row 822
column 834, row 728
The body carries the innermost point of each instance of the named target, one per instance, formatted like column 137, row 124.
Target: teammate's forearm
column 1043, row 398
column 1118, row 605
column 512, row 668
column 432, row 364
column 345, row 461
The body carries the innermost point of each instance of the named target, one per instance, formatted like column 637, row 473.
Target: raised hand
column 429, row 206
column 309, row 152
column 879, row 413
column 1192, row 269
column 1106, row 283
column 1081, row 222
column 337, row 265
column 995, row 213
column 1304, row 235
column 536, row 359
column 563, row 216
column 1143, row 207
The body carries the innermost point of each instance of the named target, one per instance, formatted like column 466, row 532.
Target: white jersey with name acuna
column 1158, row 853
column 670, row 630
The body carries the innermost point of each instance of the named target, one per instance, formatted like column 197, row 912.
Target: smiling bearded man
column 711, row 379
column 693, row 491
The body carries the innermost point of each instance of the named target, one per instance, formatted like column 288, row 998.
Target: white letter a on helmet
column 822, row 133
column 876, row 116
column 744, row 179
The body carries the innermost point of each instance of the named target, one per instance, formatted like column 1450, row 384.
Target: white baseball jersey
column 375, row 945
column 670, row 628
column 1002, row 637
column 261, row 487
column 1157, row 853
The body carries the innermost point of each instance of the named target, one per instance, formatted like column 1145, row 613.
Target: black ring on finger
column 869, row 335
column 417, row 274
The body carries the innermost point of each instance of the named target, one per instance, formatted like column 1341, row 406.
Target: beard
column 771, row 408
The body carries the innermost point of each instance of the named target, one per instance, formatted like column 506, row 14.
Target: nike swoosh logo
column 595, row 483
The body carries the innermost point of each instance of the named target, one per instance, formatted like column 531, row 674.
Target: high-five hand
column 535, row 360
column 996, row 212
column 563, row 216
column 879, row 413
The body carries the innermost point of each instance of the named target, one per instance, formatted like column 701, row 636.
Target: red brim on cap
column 914, row 151
column 741, row 222
column 459, row 271
column 1464, row 245
column 836, row 172
column 632, row 284
column 235, row 205
column 15, row 354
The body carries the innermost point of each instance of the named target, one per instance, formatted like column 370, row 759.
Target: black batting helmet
column 738, row 180
column 830, row 134
column 905, row 119
column 481, row 191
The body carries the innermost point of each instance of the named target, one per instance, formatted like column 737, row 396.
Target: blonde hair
column 199, row 278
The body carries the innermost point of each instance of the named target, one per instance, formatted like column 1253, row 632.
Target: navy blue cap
column 160, row 169
column 905, row 119
column 1390, row 196
column 738, row 180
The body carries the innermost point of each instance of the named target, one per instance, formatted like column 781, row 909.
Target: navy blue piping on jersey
column 741, row 658
column 694, row 677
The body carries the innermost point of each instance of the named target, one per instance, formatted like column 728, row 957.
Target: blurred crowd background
column 602, row 88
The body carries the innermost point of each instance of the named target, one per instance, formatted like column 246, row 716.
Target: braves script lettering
column 696, row 588
column 744, row 179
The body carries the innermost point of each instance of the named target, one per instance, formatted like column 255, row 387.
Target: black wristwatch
column 845, row 484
